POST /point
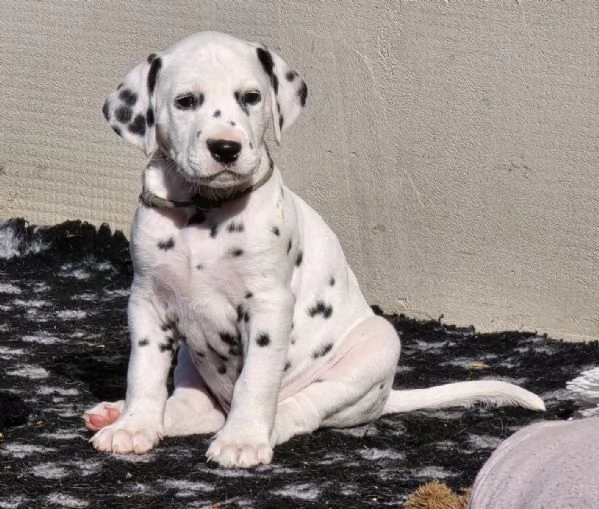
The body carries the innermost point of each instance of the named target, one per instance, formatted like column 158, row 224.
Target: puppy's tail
column 462, row 394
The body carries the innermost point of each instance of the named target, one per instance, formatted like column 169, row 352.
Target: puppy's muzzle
column 224, row 151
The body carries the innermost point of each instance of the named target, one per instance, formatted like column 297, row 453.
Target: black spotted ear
column 129, row 110
column 289, row 90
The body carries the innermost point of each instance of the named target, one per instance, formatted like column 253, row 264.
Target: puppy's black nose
column 224, row 151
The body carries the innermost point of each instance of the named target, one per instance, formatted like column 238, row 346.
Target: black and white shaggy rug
column 64, row 346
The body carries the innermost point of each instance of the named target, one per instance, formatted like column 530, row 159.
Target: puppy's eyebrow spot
column 216, row 114
column 235, row 252
column 232, row 123
column 165, row 245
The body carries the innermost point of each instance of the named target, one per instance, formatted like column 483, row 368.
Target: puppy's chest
column 200, row 279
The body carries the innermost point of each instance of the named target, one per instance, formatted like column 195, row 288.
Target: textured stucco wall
column 453, row 146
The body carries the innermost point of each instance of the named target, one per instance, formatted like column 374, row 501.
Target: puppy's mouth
column 223, row 176
column 227, row 175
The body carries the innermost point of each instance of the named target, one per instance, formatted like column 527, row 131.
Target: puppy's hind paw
column 102, row 415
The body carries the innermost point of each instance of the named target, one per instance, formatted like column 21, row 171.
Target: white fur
column 328, row 360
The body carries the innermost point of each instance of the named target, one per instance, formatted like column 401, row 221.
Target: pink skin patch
column 95, row 422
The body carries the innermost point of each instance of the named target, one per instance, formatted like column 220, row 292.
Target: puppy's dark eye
column 188, row 102
column 251, row 97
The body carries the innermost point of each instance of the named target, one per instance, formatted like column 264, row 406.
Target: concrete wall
column 453, row 146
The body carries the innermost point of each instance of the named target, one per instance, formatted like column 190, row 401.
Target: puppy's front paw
column 126, row 436
column 243, row 450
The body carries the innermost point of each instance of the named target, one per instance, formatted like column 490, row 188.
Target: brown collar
column 200, row 202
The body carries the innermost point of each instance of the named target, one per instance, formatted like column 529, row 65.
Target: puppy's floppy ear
column 129, row 109
column 288, row 90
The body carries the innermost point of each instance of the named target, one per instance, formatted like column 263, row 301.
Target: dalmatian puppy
column 237, row 277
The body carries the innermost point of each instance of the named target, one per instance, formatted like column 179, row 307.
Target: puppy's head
column 206, row 103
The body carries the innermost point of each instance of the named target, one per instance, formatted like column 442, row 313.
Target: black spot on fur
column 150, row 117
column 382, row 386
column 281, row 120
column 153, row 74
column 287, row 366
column 222, row 369
column 165, row 245
column 266, row 60
column 291, row 75
column 289, row 244
column 214, row 230
column 228, row 338
column 138, row 126
column 199, row 266
column 233, row 124
column 128, row 97
column 332, row 281
column 120, row 85
column 268, row 65
column 123, row 114
column 198, row 218
column 117, row 130
column 292, row 340
column 216, row 114
column 302, row 93
column 249, row 295
column 106, row 110
column 299, row 258
column 169, row 346
column 247, row 315
column 239, row 312
column 235, row 351
column 152, row 57
column 143, row 342
column 235, row 252
column 275, row 230
column 320, row 308
column 166, row 326
column 200, row 354
column 322, row 351
column 223, row 358
column 235, row 227
column 263, row 339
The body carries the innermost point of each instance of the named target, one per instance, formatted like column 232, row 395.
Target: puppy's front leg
column 244, row 441
column 140, row 426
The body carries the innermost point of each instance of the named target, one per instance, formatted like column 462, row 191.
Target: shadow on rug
column 64, row 347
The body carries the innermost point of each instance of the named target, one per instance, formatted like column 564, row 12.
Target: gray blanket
column 548, row 465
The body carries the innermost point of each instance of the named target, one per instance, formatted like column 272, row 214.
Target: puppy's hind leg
column 352, row 392
column 191, row 409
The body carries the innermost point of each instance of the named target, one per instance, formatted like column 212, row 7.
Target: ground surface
column 63, row 347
